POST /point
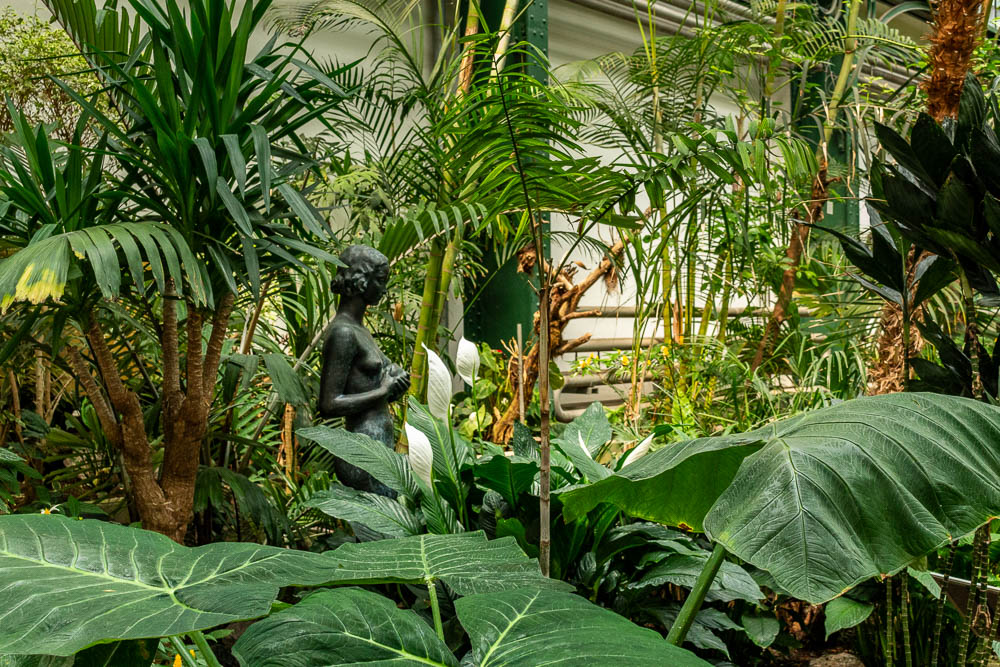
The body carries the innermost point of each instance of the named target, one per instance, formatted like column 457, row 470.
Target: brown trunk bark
column 165, row 505
column 793, row 255
column 886, row 375
column 957, row 30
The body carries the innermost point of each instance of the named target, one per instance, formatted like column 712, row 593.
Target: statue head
column 365, row 274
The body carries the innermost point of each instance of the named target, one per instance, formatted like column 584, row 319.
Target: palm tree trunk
column 958, row 26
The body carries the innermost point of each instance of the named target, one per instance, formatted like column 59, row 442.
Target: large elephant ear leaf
column 860, row 489
column 361, row 451
column 66, row 584
column 467, row 562
column 676, row 485
column 534, row 627
column 342, row 626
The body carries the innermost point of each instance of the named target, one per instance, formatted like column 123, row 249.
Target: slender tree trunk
column 818, row 194
column 793, row 255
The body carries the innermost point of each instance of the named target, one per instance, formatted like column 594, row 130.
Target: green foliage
column 98, row 582
column 31, row 52
column 95, row 582
column 833, row 481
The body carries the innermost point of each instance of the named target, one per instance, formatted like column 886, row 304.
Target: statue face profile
column 365, row 274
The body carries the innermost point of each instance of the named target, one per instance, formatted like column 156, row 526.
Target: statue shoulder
column 341, row 336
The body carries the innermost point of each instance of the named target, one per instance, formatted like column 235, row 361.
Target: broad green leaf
column 373, row 457
column 926, row 579
column 287, row 384
column 861, row 488
column 700, row 634
column 378, row 513
column 731, row 583
column 535, row 627
column 762, row 630
column 510, row 477
column 451, row 452
column 583, row 438
column 9, row 456
column 675, row 485
column 467, row 562
column 592, row 428
column 340, row 627
column 843, row 612
column 67, row 584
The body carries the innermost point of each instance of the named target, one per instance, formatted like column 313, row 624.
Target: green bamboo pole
column 939, row 612
column 890, row 623
column 970, row 607
column 444, row 282
column 685, row 618
column 426, row 326
column 904, row 617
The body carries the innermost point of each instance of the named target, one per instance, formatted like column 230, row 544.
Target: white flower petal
column 467, row 361
column 421, row 454
column 638, row 451
column 438, row 386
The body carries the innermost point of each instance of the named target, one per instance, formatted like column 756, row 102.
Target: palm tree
column 182, row 207
column 958, row 27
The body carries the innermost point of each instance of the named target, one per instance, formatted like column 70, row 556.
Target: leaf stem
column 435, row 607
column 685, row 619
column 206, row 651
column 182, row 651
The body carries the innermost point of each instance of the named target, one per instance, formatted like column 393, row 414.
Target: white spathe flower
column 467, row 361
column 438, row 386
column 421, row 454
column 638, row 451
column 583, row 445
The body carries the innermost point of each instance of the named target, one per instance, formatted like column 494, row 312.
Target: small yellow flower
column 193, row 654
column 46, row 511
column 664, row 351
column 178, row 661
column 625, row 360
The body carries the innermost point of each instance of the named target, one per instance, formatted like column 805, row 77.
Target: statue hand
column 395, row 385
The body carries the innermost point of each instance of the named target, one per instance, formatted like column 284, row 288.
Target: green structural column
column 507, row 298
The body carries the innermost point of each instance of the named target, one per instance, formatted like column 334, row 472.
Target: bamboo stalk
column 939, row 611
column 506, row 22
column 904, row 616
column 425, row 323
column 890, row 624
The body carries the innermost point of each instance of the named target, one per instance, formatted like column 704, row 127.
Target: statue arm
column 338, row 358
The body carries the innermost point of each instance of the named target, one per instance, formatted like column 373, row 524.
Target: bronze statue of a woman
column 358, row 382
